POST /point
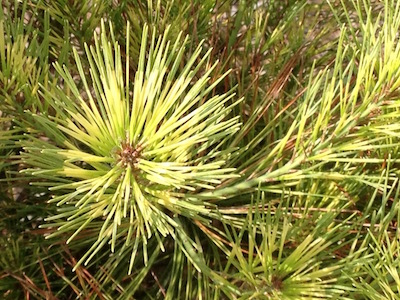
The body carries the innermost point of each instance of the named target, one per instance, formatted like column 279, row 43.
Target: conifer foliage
column 199, row 149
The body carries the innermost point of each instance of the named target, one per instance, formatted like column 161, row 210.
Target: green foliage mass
column 199, row 149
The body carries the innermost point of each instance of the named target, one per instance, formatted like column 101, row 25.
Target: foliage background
column 311, row 207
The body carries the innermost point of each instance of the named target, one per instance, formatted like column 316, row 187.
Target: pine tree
column 199, row 149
